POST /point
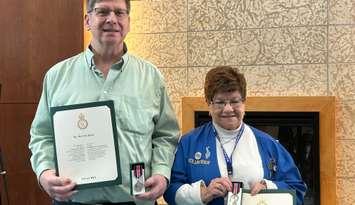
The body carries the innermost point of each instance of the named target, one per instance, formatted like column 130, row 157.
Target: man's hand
column 156, row 185
column 218, row 187
column 58, row 188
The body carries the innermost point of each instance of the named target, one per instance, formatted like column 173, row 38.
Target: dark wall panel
column 35, row 35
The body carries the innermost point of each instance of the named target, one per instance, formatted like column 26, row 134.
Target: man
column 147, row 129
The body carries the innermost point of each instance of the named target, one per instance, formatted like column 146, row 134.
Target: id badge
column 235, row 196
column 137, row 178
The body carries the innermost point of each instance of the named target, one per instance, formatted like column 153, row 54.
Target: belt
column 106, row 203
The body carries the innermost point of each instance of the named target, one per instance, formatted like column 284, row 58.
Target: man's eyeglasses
column 105, row 12
column 220, row 104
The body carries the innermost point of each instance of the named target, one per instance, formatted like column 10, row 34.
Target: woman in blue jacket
column 226, row 149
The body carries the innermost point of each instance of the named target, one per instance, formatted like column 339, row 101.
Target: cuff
column 189, row 194
column 162, row 170
column 270, row 184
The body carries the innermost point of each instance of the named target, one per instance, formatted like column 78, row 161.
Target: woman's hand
column 218, row 187
column 257, row 187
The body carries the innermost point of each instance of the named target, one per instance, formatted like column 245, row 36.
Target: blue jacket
column 278, row 164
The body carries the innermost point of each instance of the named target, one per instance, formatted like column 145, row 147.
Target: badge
column 198, row 155
column 261, row 202
column 208, row 153
column 82, row 123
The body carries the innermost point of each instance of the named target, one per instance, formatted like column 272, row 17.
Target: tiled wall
column 284, row 47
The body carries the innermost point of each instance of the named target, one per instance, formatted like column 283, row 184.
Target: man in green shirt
column 147, row 129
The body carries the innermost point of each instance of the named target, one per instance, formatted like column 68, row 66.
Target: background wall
column 34, row 35
column 284, row 47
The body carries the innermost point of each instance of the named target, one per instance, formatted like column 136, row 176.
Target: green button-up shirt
column 146, row 124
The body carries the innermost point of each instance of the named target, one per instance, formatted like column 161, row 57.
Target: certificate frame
column 105, row 109
column 269, row 195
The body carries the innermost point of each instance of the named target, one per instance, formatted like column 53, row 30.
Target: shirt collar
column 89, row 56
column 225, row 134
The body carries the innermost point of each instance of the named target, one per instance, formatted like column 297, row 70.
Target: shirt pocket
column 135, row 115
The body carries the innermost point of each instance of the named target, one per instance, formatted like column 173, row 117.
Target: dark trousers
column 73, row 203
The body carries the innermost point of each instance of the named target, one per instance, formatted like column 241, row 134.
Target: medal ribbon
column 229, row 160
column 137, row 171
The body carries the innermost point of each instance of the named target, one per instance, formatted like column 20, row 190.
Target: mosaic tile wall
column 284, row 47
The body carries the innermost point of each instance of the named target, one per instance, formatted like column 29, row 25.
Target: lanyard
column 229, row 160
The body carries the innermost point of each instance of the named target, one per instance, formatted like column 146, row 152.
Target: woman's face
column 227, row 109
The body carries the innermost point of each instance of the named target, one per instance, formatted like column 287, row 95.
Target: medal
column 234, row 197
column 137, row 178
column 138, row 174
column 138, row 186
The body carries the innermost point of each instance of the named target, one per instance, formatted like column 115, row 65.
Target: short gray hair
column 91, row 3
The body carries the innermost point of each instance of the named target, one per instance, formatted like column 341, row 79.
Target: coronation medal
column 235, row 197
column 137, row 178
column 138, row 174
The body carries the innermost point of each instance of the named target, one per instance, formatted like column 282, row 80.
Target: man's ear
column 86, row 22
column 129, row 23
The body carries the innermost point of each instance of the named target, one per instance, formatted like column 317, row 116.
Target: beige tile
column 341, row 44
column 342, row 80
column 345, row 191
column 196, row 80
column 345, row 152
column 177, row 109
column 164, row 50
column 253, row 47
column 341, row 11
column 175, row 79
column 345, row 120
column 292, row 80
column 151, row 16
column 232, row 14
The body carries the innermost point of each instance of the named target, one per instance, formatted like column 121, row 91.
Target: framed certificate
column 269, row 197
column 86, row 147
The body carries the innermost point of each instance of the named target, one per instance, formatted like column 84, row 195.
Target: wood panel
column 15, row 122
column 35, row 35
column 324, row 105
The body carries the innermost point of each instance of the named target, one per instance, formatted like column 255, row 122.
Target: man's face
column 108, row 22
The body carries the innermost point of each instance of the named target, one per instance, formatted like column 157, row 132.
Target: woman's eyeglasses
column 220, row 104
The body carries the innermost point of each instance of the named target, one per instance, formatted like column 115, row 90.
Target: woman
column 226, row 149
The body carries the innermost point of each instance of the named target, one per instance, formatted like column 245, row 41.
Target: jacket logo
column 208, row 153
column 198, row 155
column 197, row 158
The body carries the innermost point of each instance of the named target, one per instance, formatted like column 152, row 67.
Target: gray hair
column 91, row 3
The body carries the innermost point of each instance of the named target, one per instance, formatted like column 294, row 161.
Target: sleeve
column 42, row 141
column 189, row 194
column 178, row 176
column 287, row 175
column 165, row 137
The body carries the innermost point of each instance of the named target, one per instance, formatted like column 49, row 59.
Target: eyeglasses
column 220, row 104
column 105, row 12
